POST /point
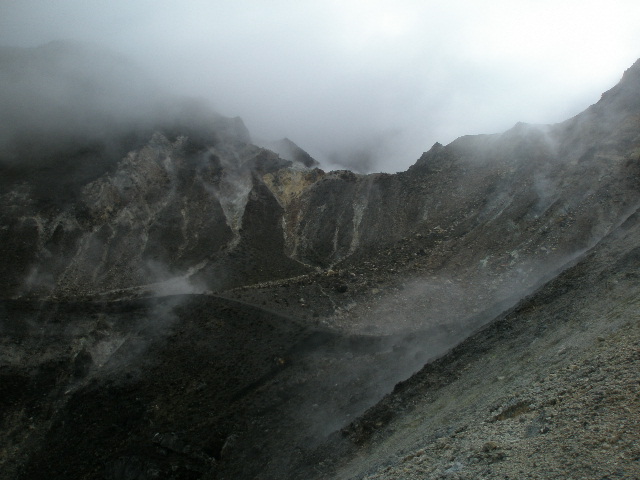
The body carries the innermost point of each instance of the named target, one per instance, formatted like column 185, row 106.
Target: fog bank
column 370, row 85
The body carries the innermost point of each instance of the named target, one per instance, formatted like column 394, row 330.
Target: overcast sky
column 376, row 82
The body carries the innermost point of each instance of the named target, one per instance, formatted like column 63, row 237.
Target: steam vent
column 180, row 303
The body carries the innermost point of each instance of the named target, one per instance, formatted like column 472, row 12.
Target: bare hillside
column 180, row 303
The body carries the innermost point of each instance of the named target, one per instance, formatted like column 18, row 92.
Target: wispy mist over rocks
column 178, row 301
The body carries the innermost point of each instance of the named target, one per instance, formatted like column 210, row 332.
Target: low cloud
column 333, row 75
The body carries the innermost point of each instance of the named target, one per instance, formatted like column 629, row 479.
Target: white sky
column 342, row 78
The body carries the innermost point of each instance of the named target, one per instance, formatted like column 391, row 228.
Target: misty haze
column 340, row 240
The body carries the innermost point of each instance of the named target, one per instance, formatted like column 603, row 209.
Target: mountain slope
column 548, row 390
column 200, row 307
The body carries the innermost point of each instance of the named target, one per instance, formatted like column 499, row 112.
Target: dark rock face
column 163, row 213
column 198, row 307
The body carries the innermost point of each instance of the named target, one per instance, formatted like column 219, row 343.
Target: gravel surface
column 549, row 390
